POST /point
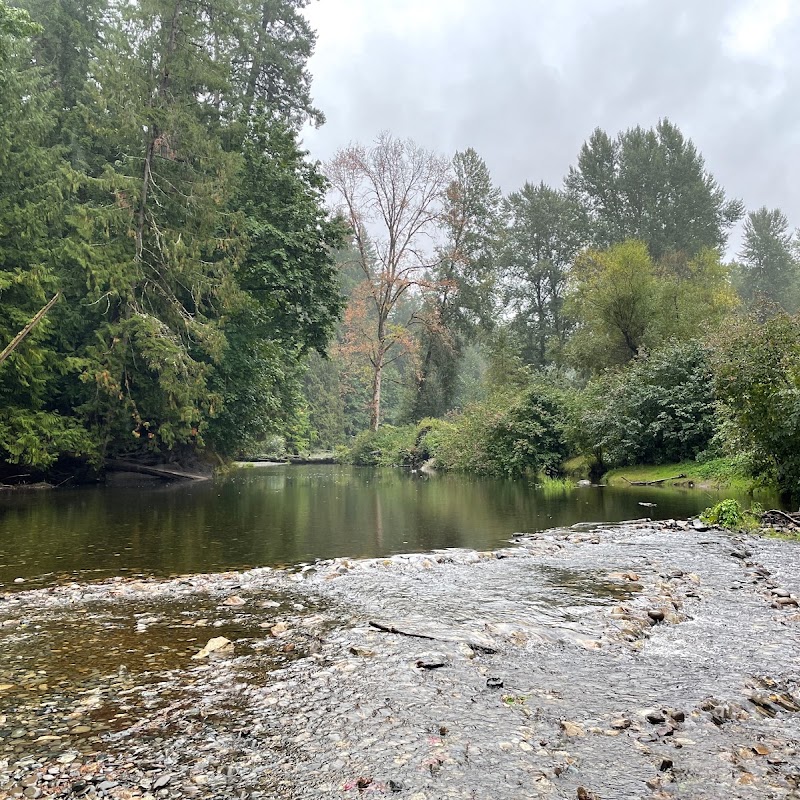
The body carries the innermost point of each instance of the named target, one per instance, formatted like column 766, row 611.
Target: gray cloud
column 525, row 82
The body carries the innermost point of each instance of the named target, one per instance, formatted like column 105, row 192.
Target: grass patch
column 786, row 536
column 718, row 473
column 554, row 486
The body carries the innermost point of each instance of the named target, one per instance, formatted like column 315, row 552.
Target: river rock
column 572, row 728
column 234, row 600
column 219, row 646
column 278, row 628
column 431, row 661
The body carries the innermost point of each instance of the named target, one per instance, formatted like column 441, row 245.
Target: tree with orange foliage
column 391, row 194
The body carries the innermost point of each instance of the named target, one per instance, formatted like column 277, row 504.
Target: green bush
column 389, row 446
column 757, row 371
column 507, row 436
column 729, row 514
column 658, row 409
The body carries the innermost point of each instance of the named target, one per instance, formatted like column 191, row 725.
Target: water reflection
column 287, row 515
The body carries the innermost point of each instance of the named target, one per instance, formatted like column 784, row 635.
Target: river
column 285, row 515
column 380, row 634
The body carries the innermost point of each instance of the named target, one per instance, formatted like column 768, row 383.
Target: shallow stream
column 595, row 661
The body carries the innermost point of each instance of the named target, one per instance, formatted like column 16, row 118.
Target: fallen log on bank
column 768, row 517
column 652, row 483
column 165, row 473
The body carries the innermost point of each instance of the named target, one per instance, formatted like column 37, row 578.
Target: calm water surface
column 278, row 516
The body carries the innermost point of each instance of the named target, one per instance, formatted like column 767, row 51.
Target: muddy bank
column 631, row 661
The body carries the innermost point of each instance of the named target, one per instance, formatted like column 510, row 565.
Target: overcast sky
column 525, row 82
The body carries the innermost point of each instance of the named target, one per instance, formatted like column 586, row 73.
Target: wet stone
column 432, row 661
column 301, row 716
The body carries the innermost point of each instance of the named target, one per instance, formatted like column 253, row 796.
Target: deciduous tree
column 768, row 261
column 652, row 185
column 626, row 305
column 757, row 375
column 391, row 194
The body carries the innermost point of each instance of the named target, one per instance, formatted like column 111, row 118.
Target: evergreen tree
column 170, row 203
column 463, row 300
column 768, row 268
column 152, row 241
column 546, row 229
column 286, row 273
column 269, row 61
column 34, row 185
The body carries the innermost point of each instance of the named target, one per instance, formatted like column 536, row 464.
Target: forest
column 212, row 292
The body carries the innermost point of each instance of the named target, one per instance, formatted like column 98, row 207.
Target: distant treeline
column 597, row 319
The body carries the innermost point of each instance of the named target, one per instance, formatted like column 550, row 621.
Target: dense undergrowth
column 660, row 416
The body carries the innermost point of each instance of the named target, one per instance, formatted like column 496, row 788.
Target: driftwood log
column 475, row 641
column 653, row 483
column 769, row 516
column 166, row 473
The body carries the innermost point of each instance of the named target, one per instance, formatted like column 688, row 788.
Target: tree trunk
column 375, row 405
column 141, row 218
column 422, row 379
column 256, row 66
column 17, row 340
column 153, row 132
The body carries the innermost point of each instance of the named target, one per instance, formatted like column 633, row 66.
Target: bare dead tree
column 391, row 193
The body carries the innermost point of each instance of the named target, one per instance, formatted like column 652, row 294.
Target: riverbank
column 627, row 661
column 715, row 475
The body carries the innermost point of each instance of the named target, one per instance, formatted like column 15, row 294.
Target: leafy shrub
column 389, row 446
column 430, row 433
column 729, row 514
column 757, row 371
column 658, row 409
column 465, row 445
column 507, row 436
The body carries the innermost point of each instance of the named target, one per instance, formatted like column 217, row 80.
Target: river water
column 279, row 516
column 391, row 641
